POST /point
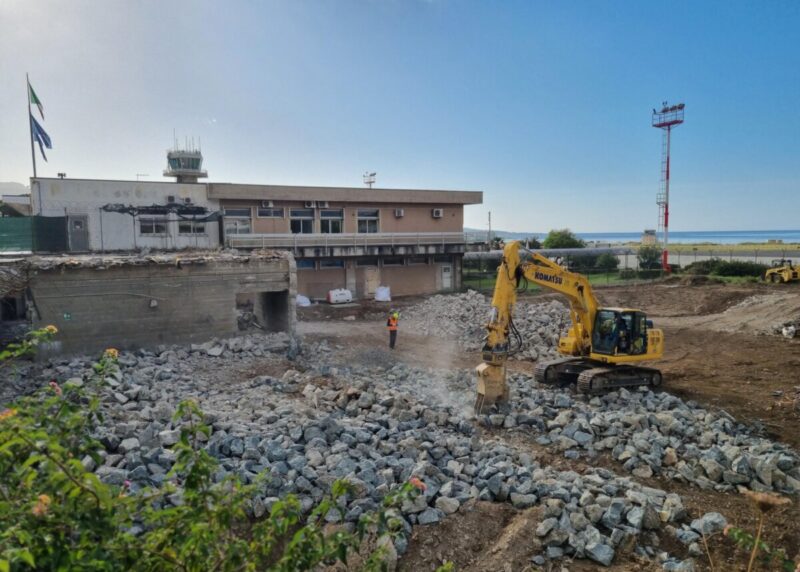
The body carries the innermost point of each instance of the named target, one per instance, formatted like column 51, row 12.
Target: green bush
column 718, row 267
column 649, row 257
column 703, row 267
column 627, row 273
column 56, row 515
column 607, row 262
column 739, row 268
column 649, row 274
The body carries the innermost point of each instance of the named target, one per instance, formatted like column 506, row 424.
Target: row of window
column 311, row 264
column 159, row 227
column 301, row 220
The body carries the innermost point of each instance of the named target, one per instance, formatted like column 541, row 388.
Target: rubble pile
column 464, row 316
column 654, row 433
column 378, row 426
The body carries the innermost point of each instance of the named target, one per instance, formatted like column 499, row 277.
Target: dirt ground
column 717, row 354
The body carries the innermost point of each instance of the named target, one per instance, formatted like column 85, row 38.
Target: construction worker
column 391, row 324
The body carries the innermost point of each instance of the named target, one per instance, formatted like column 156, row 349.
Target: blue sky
column 543, row 106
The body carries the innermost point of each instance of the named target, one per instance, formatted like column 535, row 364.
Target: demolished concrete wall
column 135, row 302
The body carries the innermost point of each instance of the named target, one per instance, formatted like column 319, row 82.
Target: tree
column 497, row 243
column 607, row 262
column 649, row 257
column 563, row 238
column 532, row 243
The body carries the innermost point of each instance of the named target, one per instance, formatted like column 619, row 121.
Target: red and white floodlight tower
column 670, row 116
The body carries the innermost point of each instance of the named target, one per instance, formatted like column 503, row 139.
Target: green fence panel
column 16, row 233
column 33, row 233
column 50, row 234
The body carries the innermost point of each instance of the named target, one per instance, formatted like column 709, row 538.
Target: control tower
column 186, row 165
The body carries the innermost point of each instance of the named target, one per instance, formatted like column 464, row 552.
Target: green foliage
column 56, row 515
column 739, row 268
column 532, row 243
column 607, row 262
column 775, row 558
column 718, row 267
column 649, row 257
column 562, row 238
column 27, row 346
column 627, row 274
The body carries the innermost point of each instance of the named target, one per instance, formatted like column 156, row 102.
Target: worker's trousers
column 392, row 338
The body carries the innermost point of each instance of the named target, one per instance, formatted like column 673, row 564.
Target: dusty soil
column 716, row 354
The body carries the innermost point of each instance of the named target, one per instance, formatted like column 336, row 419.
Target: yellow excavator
column 602, row 347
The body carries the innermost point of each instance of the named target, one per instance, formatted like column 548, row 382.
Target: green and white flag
column 35, row 100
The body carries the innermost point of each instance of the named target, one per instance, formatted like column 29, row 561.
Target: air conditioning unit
column 322, row 204
column 267, row 204
column 399, row 213
column 170, row 199
column 437, row 213
column 187, row 201
column 309, row 204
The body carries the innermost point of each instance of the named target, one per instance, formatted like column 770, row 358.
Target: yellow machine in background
column 602, row 345
column 782, row 271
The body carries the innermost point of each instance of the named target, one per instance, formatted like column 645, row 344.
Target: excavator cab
column 620, row 332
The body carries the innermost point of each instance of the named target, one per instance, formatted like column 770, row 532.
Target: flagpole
column 30, row 123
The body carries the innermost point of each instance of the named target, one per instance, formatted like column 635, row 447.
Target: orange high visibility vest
column 392, row 323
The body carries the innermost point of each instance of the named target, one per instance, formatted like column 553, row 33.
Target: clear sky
column 543, row 106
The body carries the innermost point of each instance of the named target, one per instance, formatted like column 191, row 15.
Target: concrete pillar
column 350, row 276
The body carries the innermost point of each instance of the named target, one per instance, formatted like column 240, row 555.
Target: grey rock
column 600, row 553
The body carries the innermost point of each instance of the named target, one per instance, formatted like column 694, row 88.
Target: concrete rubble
column 378, row 426
column 463, row 317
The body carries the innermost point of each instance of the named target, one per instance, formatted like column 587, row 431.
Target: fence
column 33, row 234
column 480, row 273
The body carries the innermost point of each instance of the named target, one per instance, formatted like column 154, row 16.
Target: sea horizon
column 675, row 237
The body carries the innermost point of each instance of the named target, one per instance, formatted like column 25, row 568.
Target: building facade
column 108, row 216
column 355, row 238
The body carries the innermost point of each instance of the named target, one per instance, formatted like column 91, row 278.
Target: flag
column 40, row 136
column 35, row 100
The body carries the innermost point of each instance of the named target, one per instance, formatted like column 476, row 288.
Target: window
column 368, row 220
column 367, row 262
column 191, row 227
column 238, row 226
column 270, row 212
column 331, row 221
column 412, row 260
column 152, row 226
column 238, row 212
column 442, row 258
column 302, row 221
column 393, row 261
column 305, row 264
column 331, row 263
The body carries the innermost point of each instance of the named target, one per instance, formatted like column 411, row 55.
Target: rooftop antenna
column 369, row 179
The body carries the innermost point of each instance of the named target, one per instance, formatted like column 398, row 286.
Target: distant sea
column 713, row 236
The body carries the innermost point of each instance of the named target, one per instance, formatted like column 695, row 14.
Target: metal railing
column 344, row 240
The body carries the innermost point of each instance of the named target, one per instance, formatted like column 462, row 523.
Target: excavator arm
column 512, row 274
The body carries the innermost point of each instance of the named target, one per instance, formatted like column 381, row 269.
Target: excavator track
column 601, row 379
column 562, row 371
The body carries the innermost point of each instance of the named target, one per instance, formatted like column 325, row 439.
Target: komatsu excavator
column 602, row 347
